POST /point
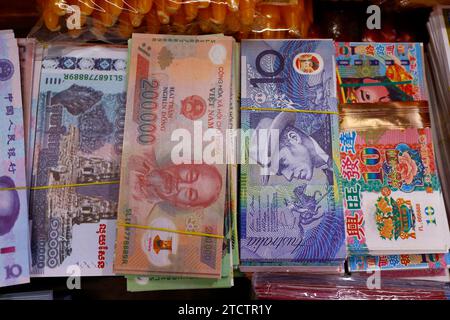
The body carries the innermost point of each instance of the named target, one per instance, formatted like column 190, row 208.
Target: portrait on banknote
column 301, row 152
column 186, row 186
column 9, row 205
column 380, row 72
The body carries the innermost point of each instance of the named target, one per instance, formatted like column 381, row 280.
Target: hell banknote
column 397, row 262
column 157, row 283
column 380, row 72
column 290, row 206
column 172, row 195
column 392, row 196
column 292, row 74
column 76, row 169
column 14, row 230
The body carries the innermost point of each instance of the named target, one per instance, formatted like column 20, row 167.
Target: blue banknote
column 78, row 145
column 288, row 74
column 290, row 207
column 14, row 228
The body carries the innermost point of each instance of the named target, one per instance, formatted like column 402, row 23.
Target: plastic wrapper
column 355, row 287
column 346, row 21
column 411, row 3
column 116, row 20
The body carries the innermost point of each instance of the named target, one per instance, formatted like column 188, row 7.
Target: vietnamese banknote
column 172, row 195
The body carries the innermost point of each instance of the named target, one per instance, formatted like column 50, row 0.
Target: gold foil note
column 384, row 115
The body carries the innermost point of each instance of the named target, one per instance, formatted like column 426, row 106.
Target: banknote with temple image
column 290, row 208
column 77, row 149
column 156, row 283
column 370, row 72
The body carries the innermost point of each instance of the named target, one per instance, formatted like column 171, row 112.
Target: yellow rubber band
column 57, row 186
column 190, row 233
column 344, row 98
column 289, row 110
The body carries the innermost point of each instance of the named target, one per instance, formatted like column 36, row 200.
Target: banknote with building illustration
column 78, row 144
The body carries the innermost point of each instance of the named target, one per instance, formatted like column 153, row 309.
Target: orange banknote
column 173, row 178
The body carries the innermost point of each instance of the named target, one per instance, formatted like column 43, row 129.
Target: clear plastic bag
column 412, row 3
column 334, row 287
column 116, row 20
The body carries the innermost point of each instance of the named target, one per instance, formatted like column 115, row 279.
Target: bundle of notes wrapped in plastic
column 336, row 287
column 174, row 218
column 291, row 213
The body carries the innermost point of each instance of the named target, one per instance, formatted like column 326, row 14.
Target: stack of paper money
column 432, row 267
column 291, row 213
column 439, row 84
column 392, row 196
column 14, row 230
column 370, row 72
column 126, row 161
column 175, row 211
column 79, row 122
column 397, row 262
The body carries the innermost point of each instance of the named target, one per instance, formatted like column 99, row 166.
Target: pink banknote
column 172, row 198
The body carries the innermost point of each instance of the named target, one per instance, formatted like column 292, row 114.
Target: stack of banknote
column 290, row 207
column 78, row 117
column 393, row 203
column 370, row 72
column 432, row 267
column 395, row 262
column 30, row 57
column 124, row 161
column 175, row 212
column 14, row 229
column 392, row 196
